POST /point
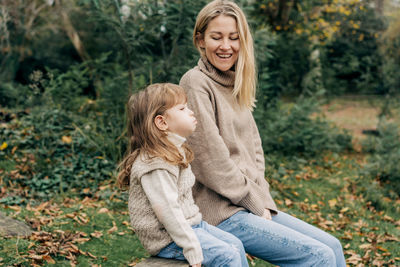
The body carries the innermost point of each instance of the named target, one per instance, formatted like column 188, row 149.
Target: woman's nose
column 225, row 44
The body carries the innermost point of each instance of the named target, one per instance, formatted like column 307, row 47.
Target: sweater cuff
column 194, row 257
column 251, row 204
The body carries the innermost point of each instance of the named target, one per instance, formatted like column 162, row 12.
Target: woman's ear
column 200, row 40
column 161, row 123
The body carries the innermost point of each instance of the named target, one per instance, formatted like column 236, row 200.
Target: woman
column 231, row 190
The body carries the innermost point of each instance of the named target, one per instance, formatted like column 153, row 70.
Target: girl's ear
column 200, row 40
column 161, row 123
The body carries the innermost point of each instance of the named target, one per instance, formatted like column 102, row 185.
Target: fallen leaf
column 112, row 229
column 66, row 139
column 288, row 202
column 16, row 208
column 388, row 218
column 354, row 259
column 3, row 146
column 49, row 259
column 91, row 255
column 382, row 248
column 96, row 234
column 36, row 257
column 365, row 246
column 343, row 210
column 81, row 240
column 332, row 203
column 104, row 210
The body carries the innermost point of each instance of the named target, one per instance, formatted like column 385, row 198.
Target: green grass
column 327, row 196
column 112, row 243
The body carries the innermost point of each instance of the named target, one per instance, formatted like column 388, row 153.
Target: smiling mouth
column 224, row 56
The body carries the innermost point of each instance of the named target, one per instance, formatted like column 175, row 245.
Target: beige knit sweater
column 161, row 206
column 229, row 161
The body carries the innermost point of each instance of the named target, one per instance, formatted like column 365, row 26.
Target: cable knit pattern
column 229, row 161
column 150, row 231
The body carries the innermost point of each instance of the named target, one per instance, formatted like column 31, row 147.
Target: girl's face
column 180, row 120
column 221, row 42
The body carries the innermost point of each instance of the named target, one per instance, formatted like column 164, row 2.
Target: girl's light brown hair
column 143, row 134
column 245, row 79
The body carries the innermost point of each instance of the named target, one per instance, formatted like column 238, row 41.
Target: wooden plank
column 159, row 262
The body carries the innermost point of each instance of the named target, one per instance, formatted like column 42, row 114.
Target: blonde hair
column 143, row 134
column 245, row 74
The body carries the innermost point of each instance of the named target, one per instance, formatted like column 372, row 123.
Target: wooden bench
column 159, row 262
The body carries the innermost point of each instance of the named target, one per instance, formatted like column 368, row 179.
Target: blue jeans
column 285, row 240
column 219, row 248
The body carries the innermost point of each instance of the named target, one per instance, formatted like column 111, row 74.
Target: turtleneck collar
column 176, row 139
column 225, row 78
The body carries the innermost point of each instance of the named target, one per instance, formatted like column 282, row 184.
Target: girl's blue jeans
column 285, row 240
column 219, row 248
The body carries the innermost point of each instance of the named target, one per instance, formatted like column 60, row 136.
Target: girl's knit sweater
column 161, row 205
column 229, row 161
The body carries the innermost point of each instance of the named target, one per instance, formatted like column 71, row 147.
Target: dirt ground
column 358, row 114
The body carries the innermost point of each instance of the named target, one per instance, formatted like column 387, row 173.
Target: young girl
column 156, row 169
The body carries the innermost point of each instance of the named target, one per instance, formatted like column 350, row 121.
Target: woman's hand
column 197, row 265
column 267, row 214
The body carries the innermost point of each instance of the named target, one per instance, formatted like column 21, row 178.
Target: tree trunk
column 379, row 5
column 71, row 32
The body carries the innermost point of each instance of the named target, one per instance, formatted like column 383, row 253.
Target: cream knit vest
column 150, row 231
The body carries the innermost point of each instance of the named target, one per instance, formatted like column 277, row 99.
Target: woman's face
column 221, row 42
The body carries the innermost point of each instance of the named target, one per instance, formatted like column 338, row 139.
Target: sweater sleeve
column 161, row 190
column 216, row 170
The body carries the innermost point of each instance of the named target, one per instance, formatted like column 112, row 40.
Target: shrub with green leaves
column 381, row 175
column 296, row 130
column 52, row 151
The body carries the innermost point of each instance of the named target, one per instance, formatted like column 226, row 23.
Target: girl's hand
column 197, row 265
column 267, row 215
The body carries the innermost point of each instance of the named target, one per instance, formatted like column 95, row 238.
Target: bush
column 296, row 130
column 381, row 175
column 54, row 151
column 13, row 94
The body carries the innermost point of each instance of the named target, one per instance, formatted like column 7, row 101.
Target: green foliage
column 13, row 94
column 346, row 34
column 154, row 36
column 352, row 59
column 290, row 63
column 56, row 151
column 389, row 49
column 296, row 130
column 265, row 41
column 382, row 169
